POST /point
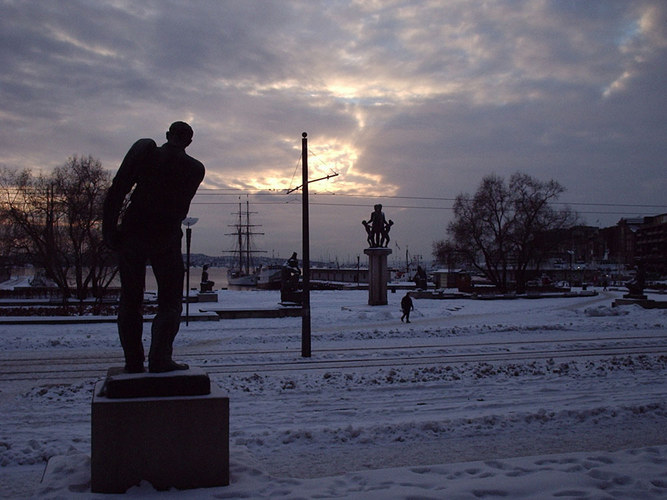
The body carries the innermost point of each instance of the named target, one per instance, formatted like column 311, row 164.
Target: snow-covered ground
column 548, row 398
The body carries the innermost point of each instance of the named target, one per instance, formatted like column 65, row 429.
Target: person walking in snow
column 406, row 307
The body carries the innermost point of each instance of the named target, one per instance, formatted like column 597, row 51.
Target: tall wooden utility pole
column 305, row 313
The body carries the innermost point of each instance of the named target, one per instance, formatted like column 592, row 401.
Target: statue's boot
column 163, row 332
column 134, row 367
column 130, row 323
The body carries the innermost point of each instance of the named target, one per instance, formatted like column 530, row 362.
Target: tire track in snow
column 71, row 368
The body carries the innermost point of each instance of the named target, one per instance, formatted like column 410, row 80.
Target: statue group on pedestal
column 377, row 228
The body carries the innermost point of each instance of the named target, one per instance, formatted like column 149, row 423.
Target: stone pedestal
column 119, row 384
column 378, row 275
column 207, row 297
column 170, row 441
column 645, row 303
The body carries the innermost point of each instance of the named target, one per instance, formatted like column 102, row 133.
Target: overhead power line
column 406, row 207
column 221, row 192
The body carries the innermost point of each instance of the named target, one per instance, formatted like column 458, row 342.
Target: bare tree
column 534, row 216
column 445, row 252
column 498, row 229
column 55, row 221
column 29, row 211
column 82, row 184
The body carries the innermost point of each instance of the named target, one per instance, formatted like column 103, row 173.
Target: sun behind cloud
column 329, row 156
column 332, row 155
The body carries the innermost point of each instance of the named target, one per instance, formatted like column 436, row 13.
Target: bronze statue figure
column 165, row 180
column 377, row 228
column 289, row 281
column 205, row 284
column 384, row 235
column 636, row 285
column 420, row 278
column 369, row 233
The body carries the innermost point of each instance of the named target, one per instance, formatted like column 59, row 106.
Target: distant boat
column 269, row 277
column 244, row 273
column 237, row 277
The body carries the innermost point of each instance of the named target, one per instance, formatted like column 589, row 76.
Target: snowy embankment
column 473, row 399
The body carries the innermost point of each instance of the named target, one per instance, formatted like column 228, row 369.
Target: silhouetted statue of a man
column 165, row 180
column 378, row 223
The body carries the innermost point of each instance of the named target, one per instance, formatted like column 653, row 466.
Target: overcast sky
column 410, row 102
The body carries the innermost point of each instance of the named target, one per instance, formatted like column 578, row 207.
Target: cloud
column 413, row 99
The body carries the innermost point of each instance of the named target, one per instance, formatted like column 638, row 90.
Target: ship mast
column 244, row 235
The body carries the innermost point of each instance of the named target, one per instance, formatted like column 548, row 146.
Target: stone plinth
column 192, row 382
column 378, row 275
column 645, row 303
column 171, row 442
column 207, row 297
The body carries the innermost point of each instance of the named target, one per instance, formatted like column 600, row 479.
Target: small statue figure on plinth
column 377, row 228
column 289, row 281
column 420, row 278
column 636, row 285
column 205, row 285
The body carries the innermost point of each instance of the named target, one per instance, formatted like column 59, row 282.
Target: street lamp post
column 188, row 222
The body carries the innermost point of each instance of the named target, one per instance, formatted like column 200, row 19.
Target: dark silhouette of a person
column 165, row 180
column 406, row 307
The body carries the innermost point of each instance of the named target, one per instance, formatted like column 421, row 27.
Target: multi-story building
column 651, row 244
column 590, row 253
column 630, row 241
column 587, row 254
column 619, row 242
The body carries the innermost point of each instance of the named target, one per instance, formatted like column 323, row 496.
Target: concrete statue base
column 207, row 297
column 378, row 275
column 645, row 303
column 174, row 441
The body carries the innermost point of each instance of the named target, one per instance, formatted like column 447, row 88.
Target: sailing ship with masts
column 244, row 272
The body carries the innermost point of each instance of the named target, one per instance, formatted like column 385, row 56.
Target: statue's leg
column 168, row 269
column 132, row 268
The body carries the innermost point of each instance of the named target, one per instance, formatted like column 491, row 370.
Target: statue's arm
column 122, row 183
column 197, row 172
